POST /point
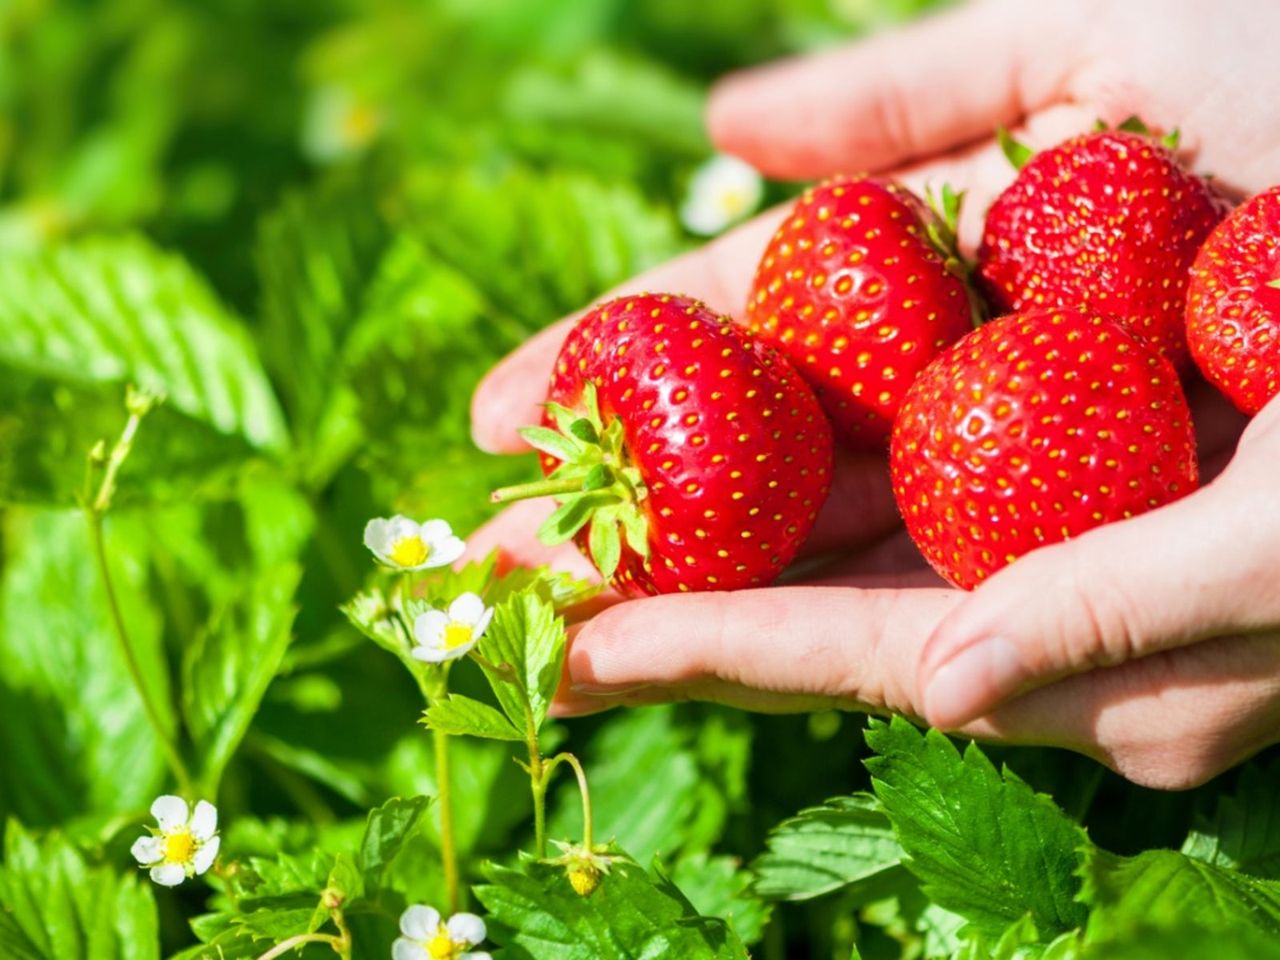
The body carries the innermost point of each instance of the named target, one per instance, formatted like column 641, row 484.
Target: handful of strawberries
column 690, row 452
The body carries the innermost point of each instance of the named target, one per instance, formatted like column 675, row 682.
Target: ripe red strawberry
column 1233, row 304
column 686, row 454
column 1033, row 429
column 1108, row 221
column 854, row 288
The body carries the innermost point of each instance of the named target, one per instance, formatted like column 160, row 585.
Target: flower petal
column 399, row 527
column 404, row 949
column 467, row 608
column 375, row 536
column 207, row 853
column 466, row 928
column 439, row 653
column 481, row 955
column 146, row 850
column 419, row 922
column 483, row 625
column 168, row 874
column 170, row 812
column 436, row 532
column 204, row 821
column 446, row 552
column 428, row 628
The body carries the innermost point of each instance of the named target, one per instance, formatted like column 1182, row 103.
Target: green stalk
column 587, row 830
column 536, row 488
column 293, row 943
column 538, row 779
column 448, row 849
column 435, row 689
column 95, row 510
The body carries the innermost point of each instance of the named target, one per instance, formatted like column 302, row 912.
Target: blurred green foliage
column 313, row 224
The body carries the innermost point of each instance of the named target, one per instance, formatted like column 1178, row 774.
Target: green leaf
column 1162, row 943
column 534, row 913
column 1164, row 888
column 847, row 841
column 53, row 903
column 1244, row 832
column 1134, row 124
column 117, row 310
column 984, row 845
column 551, row 442
column 47, row 427
column 664, row 780
column 316, row 253
column 83, row 743
column 389, row 826
column 526, row 636
column 227, row 669
column 719, row 887
column 1016, row 153
column 605, row 544
column 571, row 516
column 461, row 716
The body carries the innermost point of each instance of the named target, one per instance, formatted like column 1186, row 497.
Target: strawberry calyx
column 595, row 483
column 941, row 230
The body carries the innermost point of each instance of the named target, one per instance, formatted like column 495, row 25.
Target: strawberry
column 685, row 453
column 1233, row 304
column 1033, row 429
column 1108, row 221
column 858, row 289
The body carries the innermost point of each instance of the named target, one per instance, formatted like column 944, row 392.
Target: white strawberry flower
column 339, row 123
column 404, row 544
column 447, row 635
column 427, row 936
column 183, row 844
column 722, row 191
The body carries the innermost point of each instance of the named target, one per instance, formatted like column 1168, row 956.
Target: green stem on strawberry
column 595, row 484
column 535, row 488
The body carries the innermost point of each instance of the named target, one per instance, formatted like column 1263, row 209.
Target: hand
column 876, row 632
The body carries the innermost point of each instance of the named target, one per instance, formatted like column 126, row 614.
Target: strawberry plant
column 259, row 698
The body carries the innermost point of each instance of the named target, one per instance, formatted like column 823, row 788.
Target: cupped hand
column 1153, row 644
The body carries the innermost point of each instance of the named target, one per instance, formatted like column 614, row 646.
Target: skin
column 1152, row 645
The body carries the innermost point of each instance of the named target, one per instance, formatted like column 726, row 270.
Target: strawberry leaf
column 1134, row 124
column 571, row 516
column 982, row 842
column 1017, row 153
column 605, row 544
column 461, row 716
column 846, row 843
column 1244, row 832
column 584, row 431
column 551, row 442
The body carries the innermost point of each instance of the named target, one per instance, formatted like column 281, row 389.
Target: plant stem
column 342, row 945
column 448, row 850
column 535, row 488
column 569, row 758
column 538, row 772
column 284, row 946
column 95, row 510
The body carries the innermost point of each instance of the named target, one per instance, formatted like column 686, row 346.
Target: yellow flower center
column 733, row 202
column 457, row 634
column 409, row 552
column 359, row 124
column 442, row 947
column 179, row 846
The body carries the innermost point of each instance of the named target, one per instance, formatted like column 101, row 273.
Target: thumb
column 1197, row 568
column 900, row 96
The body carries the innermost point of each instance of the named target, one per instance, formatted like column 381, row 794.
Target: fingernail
column 971, row 682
